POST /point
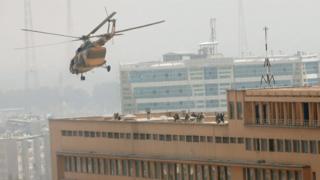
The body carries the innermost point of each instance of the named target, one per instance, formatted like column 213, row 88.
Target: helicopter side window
column 79, row 49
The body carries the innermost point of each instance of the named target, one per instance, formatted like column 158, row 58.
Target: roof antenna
column 268, row 78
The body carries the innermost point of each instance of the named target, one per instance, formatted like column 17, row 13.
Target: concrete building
column 198, row 82
column 24, row 148
column 268, row 134
column 23, row 158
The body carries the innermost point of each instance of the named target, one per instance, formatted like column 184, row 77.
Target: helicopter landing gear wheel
column 82, row 77
column 108, row 68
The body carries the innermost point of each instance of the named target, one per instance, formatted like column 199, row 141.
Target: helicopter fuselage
column 87, row 59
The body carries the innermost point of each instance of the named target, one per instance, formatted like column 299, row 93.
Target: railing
column 286, row 123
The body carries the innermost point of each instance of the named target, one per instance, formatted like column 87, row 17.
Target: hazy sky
column 294, row 25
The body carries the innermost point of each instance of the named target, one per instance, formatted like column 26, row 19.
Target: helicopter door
column 95, row 56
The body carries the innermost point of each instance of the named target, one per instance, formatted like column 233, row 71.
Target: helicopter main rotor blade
column 46, row 45
column 106, row 34
column 138, row 27
column 102, row 23
column 55, row 34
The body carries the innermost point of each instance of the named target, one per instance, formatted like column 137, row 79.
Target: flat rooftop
column 285, row 91
column 209, row 118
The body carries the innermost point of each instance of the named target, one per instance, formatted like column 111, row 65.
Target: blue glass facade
column 212, row 103
column 256, row 84
column 313, row 81
column 163, row 91
column 243, row 71
column 166, row 105
column 158, row 75
column 211, row 89
column 198, row 82
column 210, row 73
column 311, row 67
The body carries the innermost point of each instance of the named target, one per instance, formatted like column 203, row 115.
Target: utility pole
column 268, row 78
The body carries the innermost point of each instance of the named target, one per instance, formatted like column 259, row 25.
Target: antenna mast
column 213, row 37
column 30, row 57
column 243, row 43
column 268, row 78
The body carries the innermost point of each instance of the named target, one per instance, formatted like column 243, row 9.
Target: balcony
column 281, row 123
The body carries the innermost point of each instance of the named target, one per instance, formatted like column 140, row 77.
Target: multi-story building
column 268, row 134
column 198, row 82
column 24, row 149
column 23, row 157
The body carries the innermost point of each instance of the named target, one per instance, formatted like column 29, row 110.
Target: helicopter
column 91, row 54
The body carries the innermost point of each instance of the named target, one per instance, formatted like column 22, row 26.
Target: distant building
column 23, row 158
column 267, row 134
column 25, row 149
column 198, row 82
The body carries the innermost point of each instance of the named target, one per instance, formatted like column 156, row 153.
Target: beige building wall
column 229, row 153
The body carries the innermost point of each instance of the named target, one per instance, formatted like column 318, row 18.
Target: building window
column 182, row 138
column 218, row 139
column 280, row 145
column 195, row 138
column 313, row 147
column 135, row 135
column 110, row 135
column 157, row 170
column 124, row 167
column 257, row 114
column 239, row 110
column 287, row 145
column 107, row 166
column 225, row 140
column 130, row 167
column 128, row 136
column 209, row 139
column 78, row 164
column 145, row 168
column 296, row 146
column 168, row 137
column 256, row 144
column 86, row 134
column 74, row 133
column 189, row 138
column 155, row 136
column 202, row 139
column 231, row 110
column 122, row 135
column 264, row 113
column 305, row 107
column 232, row 140
column 137, row 165
column 162, row 137
column 212, row 173
column 185, row 170
column 148, row 136
column 175, row 137
column 264, row 145
column 142, row 136
column 92, row 134
column 304, row 146
column 248, row 143
column 240, row 140
column 164, row 170
column 271, row 145
column 104, row 134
